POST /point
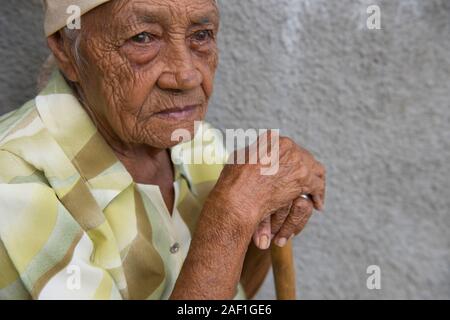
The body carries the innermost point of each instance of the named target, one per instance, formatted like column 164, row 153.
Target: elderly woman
column 93, row 206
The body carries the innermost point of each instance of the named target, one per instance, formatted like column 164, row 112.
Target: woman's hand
column 240, row 206
column 272, row 204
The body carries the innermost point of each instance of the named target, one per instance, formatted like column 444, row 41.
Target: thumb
column 262, row 235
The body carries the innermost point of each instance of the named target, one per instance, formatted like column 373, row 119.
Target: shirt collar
column 70, row 125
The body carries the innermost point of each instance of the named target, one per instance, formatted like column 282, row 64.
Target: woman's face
column 143, row 61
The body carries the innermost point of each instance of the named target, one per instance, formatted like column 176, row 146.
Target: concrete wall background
column 374, row 106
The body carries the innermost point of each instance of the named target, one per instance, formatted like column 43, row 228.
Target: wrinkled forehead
column 165, row 12
column 59, row 13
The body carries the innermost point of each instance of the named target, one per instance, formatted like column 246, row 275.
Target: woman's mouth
column 183, row 113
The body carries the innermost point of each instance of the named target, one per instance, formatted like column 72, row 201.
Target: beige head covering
column 57, row 13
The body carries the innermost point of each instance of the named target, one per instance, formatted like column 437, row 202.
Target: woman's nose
column 181, row 73
column 180, row 80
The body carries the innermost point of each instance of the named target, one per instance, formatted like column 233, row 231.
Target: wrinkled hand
column 289, row 221
column 271, row 204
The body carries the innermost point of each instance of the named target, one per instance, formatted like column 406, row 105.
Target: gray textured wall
column 374, row 106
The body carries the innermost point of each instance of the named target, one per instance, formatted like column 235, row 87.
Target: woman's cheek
column 207, row 67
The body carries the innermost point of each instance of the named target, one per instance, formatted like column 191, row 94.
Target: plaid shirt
column 73, row 224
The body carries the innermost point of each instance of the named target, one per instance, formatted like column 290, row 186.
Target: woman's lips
column 183, row 113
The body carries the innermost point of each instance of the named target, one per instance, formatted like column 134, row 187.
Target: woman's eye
column 202, row 36
column 143, row 37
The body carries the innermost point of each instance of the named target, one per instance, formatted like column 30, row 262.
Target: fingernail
column 322, row 206
column 257, row 242
column 264, row 242
column 281, row 242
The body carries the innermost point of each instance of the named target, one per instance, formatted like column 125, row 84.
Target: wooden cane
column 283, row 271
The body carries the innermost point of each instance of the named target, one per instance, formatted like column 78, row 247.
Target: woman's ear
column 61, row 51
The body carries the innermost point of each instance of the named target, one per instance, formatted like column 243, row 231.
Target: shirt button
column 175, row 248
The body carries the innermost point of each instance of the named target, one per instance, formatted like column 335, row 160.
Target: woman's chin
column 172, row 134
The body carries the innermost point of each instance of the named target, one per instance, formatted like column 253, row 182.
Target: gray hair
column 74, row 36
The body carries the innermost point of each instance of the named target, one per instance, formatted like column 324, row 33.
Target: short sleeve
column 28, row 218
column 11, row 286
column 12, row 169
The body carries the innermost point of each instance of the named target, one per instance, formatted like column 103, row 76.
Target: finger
column 299, row 215
column 262, row 235
column 319, row 169
column 278, row 218
column 311, row 184
column 318, row 192
column 307, row 208
column 322, row 197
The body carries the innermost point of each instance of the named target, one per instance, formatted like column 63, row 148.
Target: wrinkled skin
column 155, row 55
column 167, row 64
